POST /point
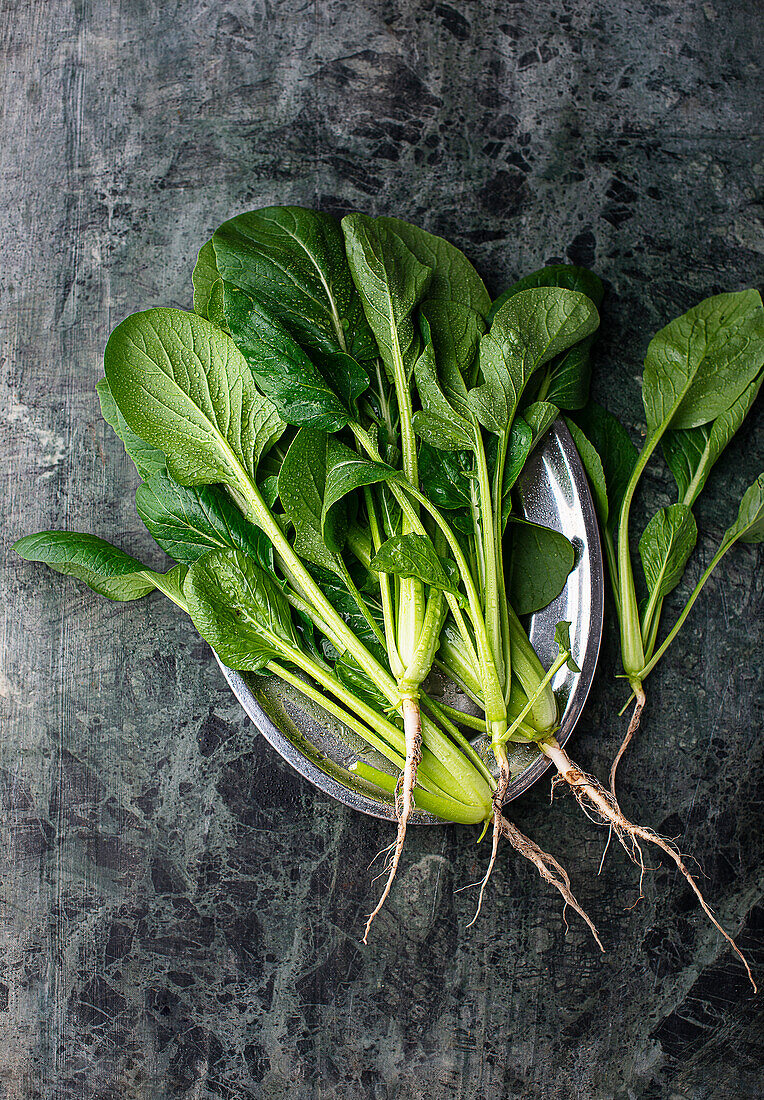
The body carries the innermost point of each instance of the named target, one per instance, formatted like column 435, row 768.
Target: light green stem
column 648, row 668
column 548, row 677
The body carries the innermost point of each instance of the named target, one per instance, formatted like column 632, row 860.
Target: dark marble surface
column 180, row 913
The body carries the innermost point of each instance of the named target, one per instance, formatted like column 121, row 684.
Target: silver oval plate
column 553, row 492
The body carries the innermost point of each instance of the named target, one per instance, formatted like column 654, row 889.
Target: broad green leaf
column 592, row 463
column 293, row 262
column 540, row 562
column 391, row 283
column 454, row 331
column 208, row 286
column 567, row 377
column 438, row 422
column 345, row 605
column 749, row 525
column 520, row 444
column 454, row 278
column 188, row 522
column 183, row 386
column 529, row 330
column 238, row 609
column 540, row 416
column 302, row 487
column 148, row 460
column 413, row 555
column 562, row 638
column 616, row 452
column 353, row 677
column 450, row 334
column 692, row 452
column 347, row 471
column 446, row 476
column 564, row 275
column 103, row 567
column 699, row 365
column 666, row 544
column 282, row 370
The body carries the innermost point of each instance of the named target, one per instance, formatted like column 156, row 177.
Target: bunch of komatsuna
column 328, row 445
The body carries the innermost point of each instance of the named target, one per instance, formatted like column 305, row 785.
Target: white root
column 549, row 869
column 633, row 727
column 547, row 866
column 498, row 802
column 404, row 796
column 597, row 802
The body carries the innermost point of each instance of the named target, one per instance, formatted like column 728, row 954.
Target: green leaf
column 188, row 522
column 183, row 386
column 347, row 471
column 595, row 472
column 692, row 452
column 567, row 377
column 540, row 562
column 562, row 638
column 454, row 331
column 540, row 416
column 345, row 605
column 302, row 487
column 666, row 544
column 103, row 567
column 528, row 331
column 147, row 459
column 238, row 609
column 414, row 556
column 520, row 444
column 749, row 525
column 616, row 452
column 446, row 476
column 564, row 275
column 282, row 370
column 392, row 283
column 353, row 677
column 698, row 365
column 293, row 262
column 208, row 286
column 454, row 278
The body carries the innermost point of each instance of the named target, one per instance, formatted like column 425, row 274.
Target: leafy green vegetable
column 208, row 286
column 699, row 365
column 188, row 522
column 147, row 459
column 666, row 544
column 103, row 567
column 540, row 562
column 529, row 330
column 414, row 556
column 392, row 283
column 284, row 372
column 319, row 536
column 566, row 380
column 238, row 608
column 293, row 262
column 692, row 452
column 328, row 446
column 183, row 386
column 454, row 279
column 616, row 452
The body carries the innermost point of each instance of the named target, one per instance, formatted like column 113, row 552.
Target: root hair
column 601, row 806
column 404, row 798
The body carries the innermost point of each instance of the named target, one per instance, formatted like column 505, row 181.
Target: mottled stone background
column 180, row 913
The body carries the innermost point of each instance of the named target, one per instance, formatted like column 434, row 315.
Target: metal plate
column 554, row 492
